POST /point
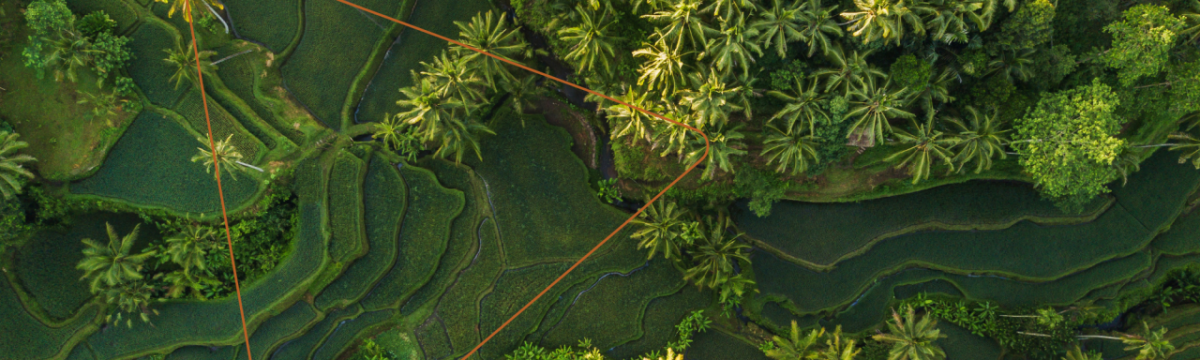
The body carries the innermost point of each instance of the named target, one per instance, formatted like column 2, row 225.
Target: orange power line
column 568, row 83
column 217, row 171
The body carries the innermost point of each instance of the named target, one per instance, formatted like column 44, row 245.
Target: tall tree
column 884, row 19
column 664, row 69
column 660, row 226
column 793, row 148
column 440, row 119
column 734, row 46
column 805, row 105
column 874, row 106
column 592, row 39
column 684, row 25
column 912, row 339
column 184, row 63
column 190, row 7
column 795, row 346
column 725, row 143
column 452, row 78
column 1068, row 141
column 925, row 146
column 709, row 99
column 69, row 51
column 12, row 167
column 187, row 248
column 819, row 26
column 133, row 298
column 632, row 124
column 111, row 265
column 227, row 156
column 715, row 254
column 1030, row 27
column 1192, row 17
column 779, row 25
column 1013, row 64
column 397, row 136
column 1141, row 41
column 946, row 20
column 496, row 37
column 851, row 71
column 1189, row 145
column 979, row 139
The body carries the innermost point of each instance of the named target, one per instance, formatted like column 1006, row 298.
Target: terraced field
column 441, row 254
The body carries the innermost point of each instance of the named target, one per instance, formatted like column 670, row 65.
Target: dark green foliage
column 973, row 62
column 150, row 166
column 47, row 17
column 260, row 243
column 783, row 78
column 910, row 72
column 762, row 187
column 95, row 23
column 1052, row 65
column 982, row 318
column 1181, row 286
column 1141, row 42
column 1029, row 27
column 114, row 52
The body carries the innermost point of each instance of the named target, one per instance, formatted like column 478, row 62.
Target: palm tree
column 804, row 105
column 795, row 347
column 819, row 25
column 226, row 156
column 664, row 69
column 188, row 247
column 1075, row 353
column 1150, row 345
column 745, row 91
column 180, row 282
column 1192, row 18
column 187, row 7
column 494, row 37
column 927, row 145
column 948, row 21
column 980, row 139
column 592, row 39
column 726, row 9
column 451, row 77
column 791, row 149
column 851, row 72
column 936, row 89
column 521, row 94
column 884, row 19
column 779, row 25
column 913, row 339
column 69, row 52
column 709, row 102
column 1013, row 64
column 111, row 265
column 1187, row 143
column 627, row 122
column 683, row 23
column 132, row 297
column 660, row 226
column 438, row 119
column 838, row 350
column 724, row 144
column 714, row 257
column 676, row 138
column 184, row 63
column 11, row 168
column 733, row 46
column 874, row 106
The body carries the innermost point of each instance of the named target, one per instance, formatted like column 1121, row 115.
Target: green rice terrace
column 877, row 180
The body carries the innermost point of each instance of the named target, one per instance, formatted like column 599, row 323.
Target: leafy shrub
column 607, row 191
column 783, row 78
column 910, row 72
column 763, row 187
column 96, row 23
column 113, row 52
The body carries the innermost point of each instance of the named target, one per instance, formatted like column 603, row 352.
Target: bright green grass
column 347, row 241
column 304, row 262
column 223, row 125
column 409, row 50
column 659, row 320
column 151, row 165
column 347, row 331
column 26, row 337
column 423, row 237
column 148, row 69
column 272, row 23
column 716, row 345
column 544, row 205
column 202, row 353
column 46, row 264
column 434, row 340
column 384, row 208
column 242, row 75
column 463, row 241
column 459, row 308
column 839, row 230
column 337, row 42
column 279, row 327
column 610, row 312
column 304, row 346
column 117, row 10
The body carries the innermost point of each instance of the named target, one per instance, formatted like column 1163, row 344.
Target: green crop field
column 347, row 241
column 409, row 50
column 242, row 75
column 151, row 165
column 347, row 331
column 29, row 338
column 278, row 329
column 660, row 318
column 459, row 308
column 303, row 347
column 191, row 107
column 340, row 35
column 149, row 44
column 272, row 23
column 423, row 237
column 604, row 311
